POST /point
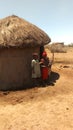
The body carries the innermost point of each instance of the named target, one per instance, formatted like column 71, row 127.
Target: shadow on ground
column 53, row 78
column 50, row 81
column 15, row 97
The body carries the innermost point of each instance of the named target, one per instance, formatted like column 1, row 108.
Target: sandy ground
column 42, row 108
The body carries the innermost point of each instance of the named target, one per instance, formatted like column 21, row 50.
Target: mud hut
column 18, row 40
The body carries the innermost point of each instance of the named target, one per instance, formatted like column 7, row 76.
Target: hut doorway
column 41, row 51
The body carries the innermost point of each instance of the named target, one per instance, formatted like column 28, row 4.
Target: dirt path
column 40, row 108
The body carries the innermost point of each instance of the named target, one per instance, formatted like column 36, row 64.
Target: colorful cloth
column 44, row 72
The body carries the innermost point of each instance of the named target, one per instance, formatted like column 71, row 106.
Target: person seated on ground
column 36, row 72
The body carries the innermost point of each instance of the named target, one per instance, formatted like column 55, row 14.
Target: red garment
column 44, row 54
column 44, row 71
column 44, row 66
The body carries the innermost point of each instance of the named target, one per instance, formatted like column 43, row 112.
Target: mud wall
column 15, row 67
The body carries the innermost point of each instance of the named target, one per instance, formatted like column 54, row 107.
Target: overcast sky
column 55, row 17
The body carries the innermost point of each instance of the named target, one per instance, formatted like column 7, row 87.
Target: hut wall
column 15, row 67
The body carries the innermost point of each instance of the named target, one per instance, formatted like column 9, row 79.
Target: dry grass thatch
column 57, row 48
column 17, row 32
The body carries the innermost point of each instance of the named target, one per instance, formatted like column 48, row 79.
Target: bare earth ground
column 42, row 108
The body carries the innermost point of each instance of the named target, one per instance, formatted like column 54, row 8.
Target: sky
column 55, row 17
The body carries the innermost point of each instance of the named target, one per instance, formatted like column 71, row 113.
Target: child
column 36, row 72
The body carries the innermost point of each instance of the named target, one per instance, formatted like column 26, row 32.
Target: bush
column 57, row 48
column 70, row 45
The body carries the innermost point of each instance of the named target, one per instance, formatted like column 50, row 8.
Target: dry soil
column 47, row 107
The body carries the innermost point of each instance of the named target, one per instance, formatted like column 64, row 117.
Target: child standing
column 36, row 72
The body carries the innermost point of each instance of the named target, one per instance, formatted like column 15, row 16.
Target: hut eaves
column 17, row 32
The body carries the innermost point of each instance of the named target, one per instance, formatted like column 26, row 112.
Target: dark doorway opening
column 41, row 51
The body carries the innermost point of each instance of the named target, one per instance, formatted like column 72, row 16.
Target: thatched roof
column 17, row 32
